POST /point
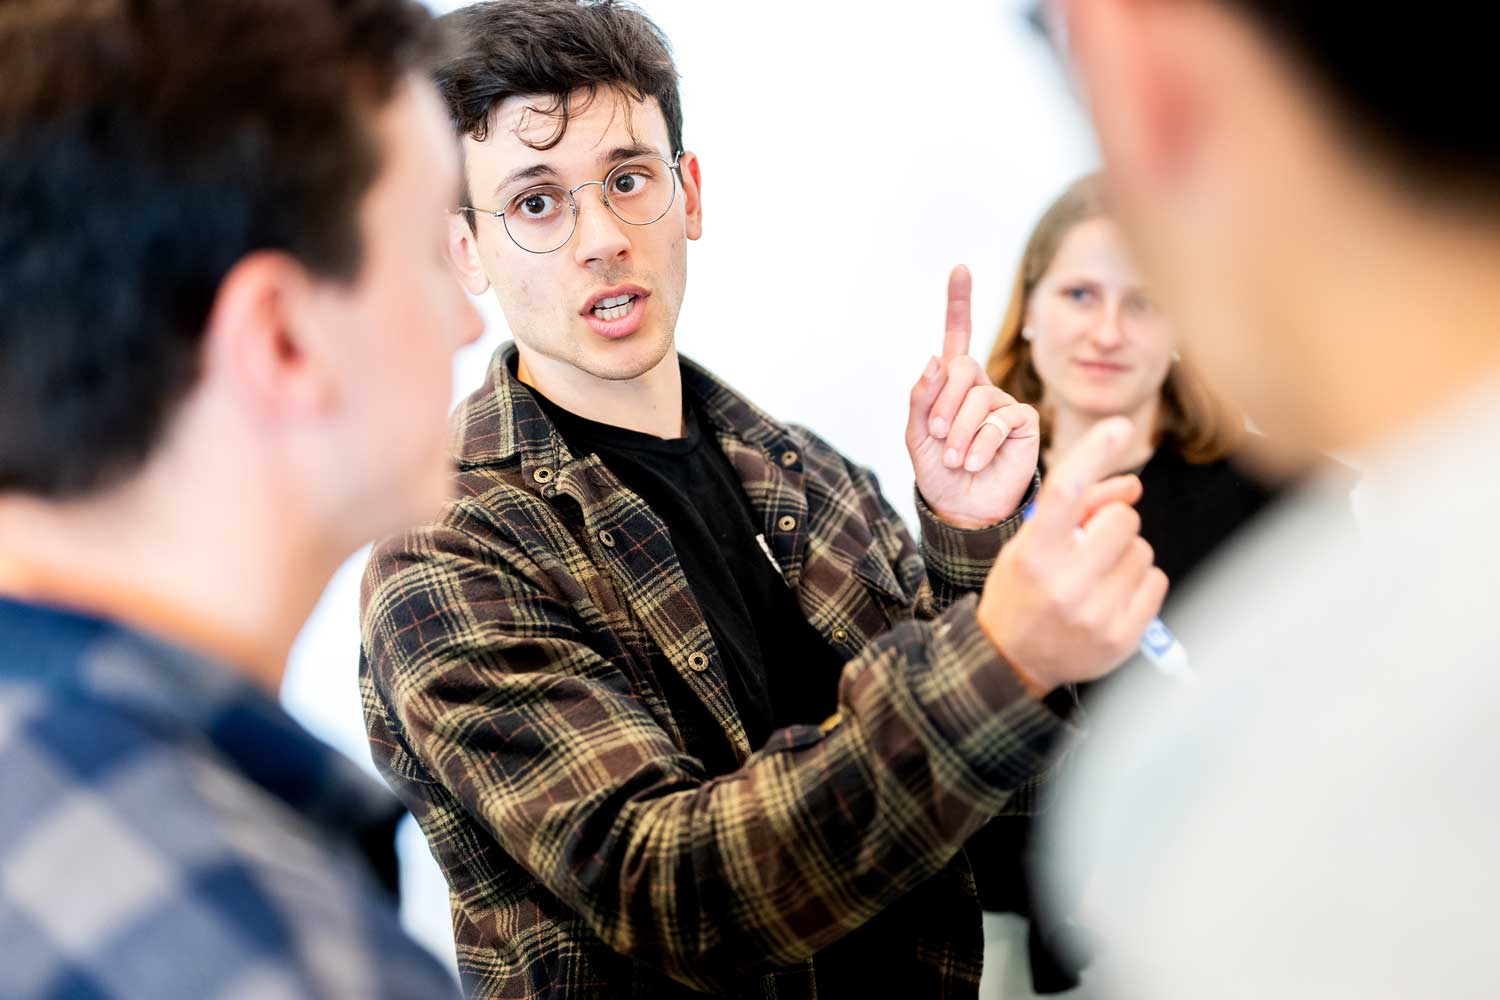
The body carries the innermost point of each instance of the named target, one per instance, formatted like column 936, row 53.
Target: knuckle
column 1072, row 612
column 963, row 366
column 1157, row 580
column 1031, row 568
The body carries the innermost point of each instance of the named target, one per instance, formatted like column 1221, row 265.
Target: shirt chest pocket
column 853, row 598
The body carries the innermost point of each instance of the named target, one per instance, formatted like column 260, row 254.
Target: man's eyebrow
column 630, row 152
column 532, row 172
column 539, row 170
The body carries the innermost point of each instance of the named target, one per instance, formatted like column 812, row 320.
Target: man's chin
column 624, row 360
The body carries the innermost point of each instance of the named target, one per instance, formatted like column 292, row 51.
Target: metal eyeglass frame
column 673, row 169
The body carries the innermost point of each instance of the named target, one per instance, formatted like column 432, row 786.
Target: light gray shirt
column 1319, row 816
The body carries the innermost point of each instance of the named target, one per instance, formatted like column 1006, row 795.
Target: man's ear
column 463, row 251
column 1137, row 62
column 692, row 193
column 266, row 336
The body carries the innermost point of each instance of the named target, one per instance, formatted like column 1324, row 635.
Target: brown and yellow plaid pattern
column 511, row 681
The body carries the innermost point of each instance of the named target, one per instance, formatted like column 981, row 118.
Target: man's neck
column 236, row 590
column 650, row 403
column 1409, row 329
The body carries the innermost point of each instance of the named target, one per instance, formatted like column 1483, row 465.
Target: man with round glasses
column 678, row 702
column 542, row 219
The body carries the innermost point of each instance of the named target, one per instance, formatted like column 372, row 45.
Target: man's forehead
column 592, row 124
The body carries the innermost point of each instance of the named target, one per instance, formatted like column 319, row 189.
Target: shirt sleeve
column 958, row 560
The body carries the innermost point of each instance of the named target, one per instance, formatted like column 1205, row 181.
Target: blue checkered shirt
column 167, row 831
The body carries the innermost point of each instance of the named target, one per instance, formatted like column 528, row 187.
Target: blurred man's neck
column 1400, row 321
column 223, row 572
column 650, row 403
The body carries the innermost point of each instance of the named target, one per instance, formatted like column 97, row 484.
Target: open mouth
column 614, row 307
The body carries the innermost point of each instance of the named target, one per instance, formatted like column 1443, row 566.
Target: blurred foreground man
column 226, row 336
column 1319, row 817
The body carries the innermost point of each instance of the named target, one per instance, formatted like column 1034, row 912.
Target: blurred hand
column 973, row 448
column 1071, row 595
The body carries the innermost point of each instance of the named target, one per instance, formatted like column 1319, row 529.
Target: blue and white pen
column 1158, row 645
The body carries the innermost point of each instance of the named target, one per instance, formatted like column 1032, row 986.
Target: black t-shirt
column 781, row 670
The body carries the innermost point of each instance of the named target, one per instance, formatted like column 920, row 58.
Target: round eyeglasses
column 542, row 219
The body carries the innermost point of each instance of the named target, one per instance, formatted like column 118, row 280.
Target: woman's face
column 1098, row 343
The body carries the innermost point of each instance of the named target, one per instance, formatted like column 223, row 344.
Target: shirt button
column 542, row 475
column 787, row 523
column 788, row 459
column 608, row 539
column 840, row 635
column 698, row 661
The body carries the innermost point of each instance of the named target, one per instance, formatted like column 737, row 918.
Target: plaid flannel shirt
column 167, row 832
column 509, row 653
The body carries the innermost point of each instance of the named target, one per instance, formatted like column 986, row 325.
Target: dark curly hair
column 554, row 48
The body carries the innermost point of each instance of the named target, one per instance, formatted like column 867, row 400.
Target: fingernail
column 972, row 465
column 938, row 427
column 931, row 371
column 950, row 458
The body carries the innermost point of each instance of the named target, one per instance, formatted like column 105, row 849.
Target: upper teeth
column 610, row 303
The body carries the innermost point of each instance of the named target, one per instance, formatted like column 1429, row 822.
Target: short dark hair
column 1418, row 85
column 510, row 48
column 145, row 147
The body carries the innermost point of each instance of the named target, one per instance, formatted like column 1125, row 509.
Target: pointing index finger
column 956, row 336
column 1062, row 504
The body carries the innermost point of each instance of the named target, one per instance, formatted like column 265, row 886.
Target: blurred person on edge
column 1314, row 200
column 226, row 337
column 680, row 705
column 1083, row 341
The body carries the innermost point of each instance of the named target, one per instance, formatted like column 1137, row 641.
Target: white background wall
column 852, row 153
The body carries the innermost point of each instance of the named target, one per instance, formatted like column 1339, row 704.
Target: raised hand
column 973, row 448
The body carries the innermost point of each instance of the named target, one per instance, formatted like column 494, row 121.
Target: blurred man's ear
column 463, row 251
column 266, row 337
column 1141, row 65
